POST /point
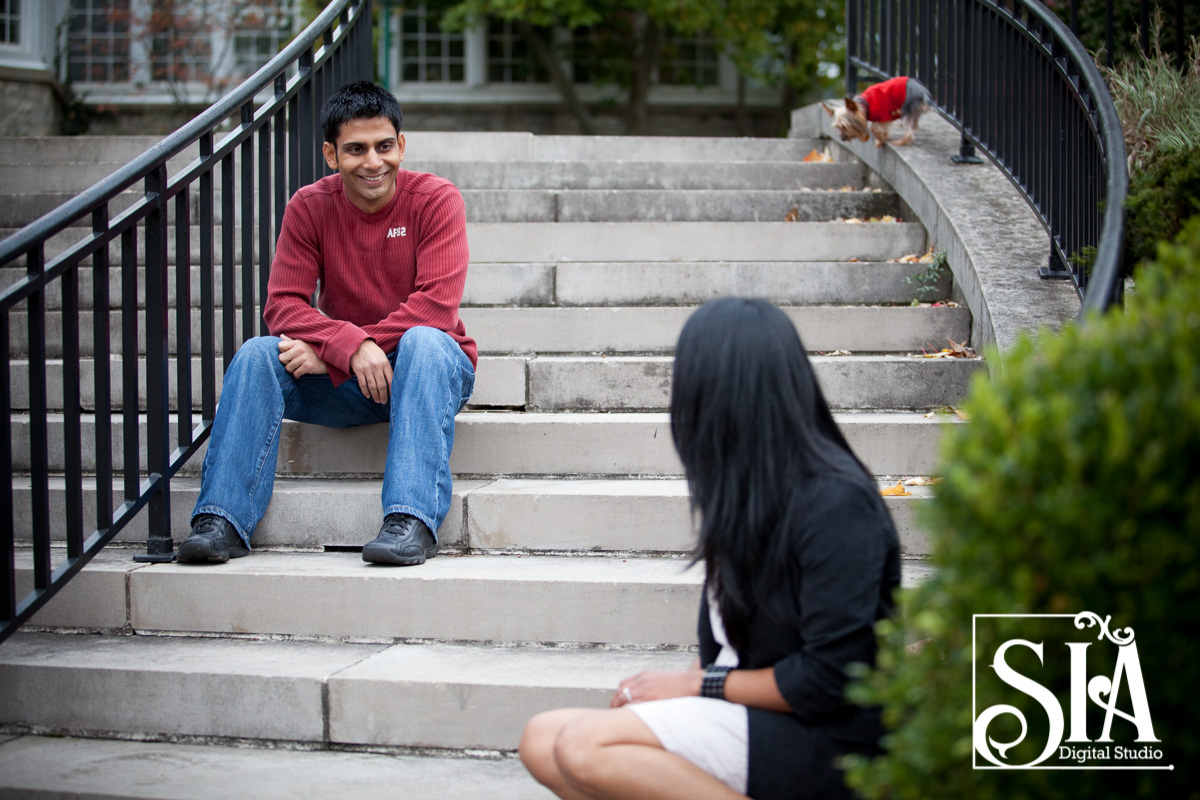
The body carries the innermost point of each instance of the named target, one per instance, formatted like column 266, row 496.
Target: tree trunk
column 743, row 120
column 647, row 41
column 566, row 87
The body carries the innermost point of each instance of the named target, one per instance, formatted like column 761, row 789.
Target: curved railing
column 1023, row 89
column 273, row 113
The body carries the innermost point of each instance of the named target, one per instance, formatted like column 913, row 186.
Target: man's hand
column 373, row 370
column 299, row 358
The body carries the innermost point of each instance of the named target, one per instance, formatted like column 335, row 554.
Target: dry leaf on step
column 960, row 350
column 922, row 481
column 793, row 215
column 895, row 491
column 821, row 157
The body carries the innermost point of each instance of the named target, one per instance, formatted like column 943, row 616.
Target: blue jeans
column 432, row 380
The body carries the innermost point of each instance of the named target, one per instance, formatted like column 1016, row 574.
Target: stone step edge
column 465, row 599
column 496, row 516
column 125, row 766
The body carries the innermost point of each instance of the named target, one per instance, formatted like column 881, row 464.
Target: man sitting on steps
column 388, row 250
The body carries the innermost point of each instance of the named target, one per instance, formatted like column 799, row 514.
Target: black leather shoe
column 213, row 539
column 403, row 541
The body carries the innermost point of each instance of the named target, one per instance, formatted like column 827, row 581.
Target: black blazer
column 843, row 566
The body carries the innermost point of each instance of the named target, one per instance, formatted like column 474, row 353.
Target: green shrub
column 1162, row 196
column 1074, row 487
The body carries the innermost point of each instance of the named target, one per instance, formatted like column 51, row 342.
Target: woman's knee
column 578, row 752
column 537, row 742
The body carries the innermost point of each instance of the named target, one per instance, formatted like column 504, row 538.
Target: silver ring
column 628, row 695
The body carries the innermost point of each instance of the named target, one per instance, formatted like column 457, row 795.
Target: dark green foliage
column 1127, row 23
column 926, row 283
column 1162, row 196
column 1074, row 487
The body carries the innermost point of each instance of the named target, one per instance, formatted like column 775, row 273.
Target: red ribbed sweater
column 380, row 274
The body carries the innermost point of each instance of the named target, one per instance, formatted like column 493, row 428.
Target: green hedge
column 1074, row 487
column 1162, row 196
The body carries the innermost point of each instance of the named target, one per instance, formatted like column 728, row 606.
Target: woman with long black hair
column 800, row 558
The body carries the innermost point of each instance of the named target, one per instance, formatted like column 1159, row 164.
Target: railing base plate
column 153, row 558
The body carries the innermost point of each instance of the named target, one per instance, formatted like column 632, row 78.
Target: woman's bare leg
column 612, row 754
column 537, row 749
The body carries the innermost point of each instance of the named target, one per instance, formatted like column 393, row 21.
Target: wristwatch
column 713, row 683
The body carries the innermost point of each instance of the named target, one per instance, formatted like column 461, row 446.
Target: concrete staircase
column 564, row 561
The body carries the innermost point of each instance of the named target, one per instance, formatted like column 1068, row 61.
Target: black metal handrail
column 335, row 49
column 1023, row 89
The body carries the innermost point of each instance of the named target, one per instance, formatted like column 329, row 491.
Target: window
column 98, row 41
column 510, row 59
column 427, row 53
column 207, row 43
column 181, row 46
column 10, row 21
column 688, row 62
column 259, row 36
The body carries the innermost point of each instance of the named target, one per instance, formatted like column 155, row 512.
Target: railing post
column 966, row 153
column 853, row 27
column 8, row 579
column 159, row 546
column 1055, row 268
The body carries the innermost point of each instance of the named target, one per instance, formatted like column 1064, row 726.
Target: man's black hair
column 358, row 100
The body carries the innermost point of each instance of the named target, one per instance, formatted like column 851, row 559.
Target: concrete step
column 643, row 383
column 58, row 767
column 56, row 151
column 418, row 696
column 611, row 283
column 568, row 205
column 519, row 444
column 618, row 205
column 614, row 329
column 468, row 598
column 671, row 148
column 75, row 177
column 866, row 329
column 60, row 243
column 499, row 383
column 422, row 146
column 628, row 175
column 610, row 601
column 552, row 242
column 504, row 515
column 588, row 383
column 693, row 241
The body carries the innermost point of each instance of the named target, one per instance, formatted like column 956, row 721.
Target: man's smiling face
column 367, row 153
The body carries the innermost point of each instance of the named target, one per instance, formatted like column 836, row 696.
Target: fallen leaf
column 793, row 215
column 960, row 413
column 853, row 261
column 821, row 157
column 837, row 353
column 922, row 481
column 895, row 491
column 959, row 350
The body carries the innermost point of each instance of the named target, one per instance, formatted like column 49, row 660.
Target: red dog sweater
column 884, row 100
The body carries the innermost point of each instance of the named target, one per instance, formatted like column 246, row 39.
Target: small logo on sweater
column 394, row 232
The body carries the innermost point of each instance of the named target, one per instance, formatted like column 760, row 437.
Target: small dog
column 904, row 99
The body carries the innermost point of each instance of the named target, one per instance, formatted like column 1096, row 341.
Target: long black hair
column 752, row 428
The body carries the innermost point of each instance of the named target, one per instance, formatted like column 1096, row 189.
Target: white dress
column 712, row 734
